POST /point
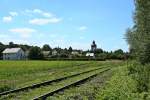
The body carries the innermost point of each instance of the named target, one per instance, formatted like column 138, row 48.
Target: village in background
column 24, row 52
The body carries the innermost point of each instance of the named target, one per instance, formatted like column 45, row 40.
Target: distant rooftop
column 11, row 50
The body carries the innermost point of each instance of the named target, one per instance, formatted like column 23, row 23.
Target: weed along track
column 44, row 96
column 41, row 83
column 44, row 89
column 44, row 83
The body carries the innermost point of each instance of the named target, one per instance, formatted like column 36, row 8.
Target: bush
column 140, row 73
column 121, row 87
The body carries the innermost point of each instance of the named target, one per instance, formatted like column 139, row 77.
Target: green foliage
column 35, row 53
column 141, row 74
column 70, row 49
column 14, row 74
column 17, row 73
column 102, row 56
column 145, row 55
column 2, row 47
column 98, row 51
column 120, row 87
column 46, row 47
column 139, row 40
column 139, row 36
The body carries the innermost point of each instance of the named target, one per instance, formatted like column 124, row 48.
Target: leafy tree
column 2, row 47
column 1, row 43
column 98, row 51
column 70, row 49
column 12, row 45
column 119, row 51
column 35, row 53
column 139, row 36
column 46, row 47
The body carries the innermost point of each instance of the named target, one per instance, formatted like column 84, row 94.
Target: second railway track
column 44, row 96
column 38, row 85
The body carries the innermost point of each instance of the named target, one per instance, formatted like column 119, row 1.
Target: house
column 90, row 54
column 46, row 54
column 75, row 53
column 13, row 54
column 54, row 52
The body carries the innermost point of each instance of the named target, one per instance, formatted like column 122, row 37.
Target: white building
column 75, row 53
column 90, row 54
column 54, row 52
column 46, row 54
column 13, row 54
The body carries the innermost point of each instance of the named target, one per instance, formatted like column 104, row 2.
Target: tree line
column 35, row 52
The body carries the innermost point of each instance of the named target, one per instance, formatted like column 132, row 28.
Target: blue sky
column 66, row 23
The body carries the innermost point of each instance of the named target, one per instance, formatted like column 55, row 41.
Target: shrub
column 140, row 73
column 120, row 87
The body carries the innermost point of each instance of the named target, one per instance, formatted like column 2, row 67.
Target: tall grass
column 130, row 82
column 14, row 73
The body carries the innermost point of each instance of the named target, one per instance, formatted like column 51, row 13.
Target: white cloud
column 24, row 32
column 47, row 14
column 82, row 28
column 37, row 11
column 27, row 11
column 44, row 21
column 43, row 13
column 7, row 19
column 13, row 13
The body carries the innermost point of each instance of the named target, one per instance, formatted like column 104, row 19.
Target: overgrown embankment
column 128, row 83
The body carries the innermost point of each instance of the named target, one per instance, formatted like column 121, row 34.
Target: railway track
column 44, row 96
column 45, row 83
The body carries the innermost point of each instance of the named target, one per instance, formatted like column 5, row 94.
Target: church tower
column 93, row 47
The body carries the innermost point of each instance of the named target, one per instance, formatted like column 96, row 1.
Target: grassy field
column 15, row 74
column 19, row 73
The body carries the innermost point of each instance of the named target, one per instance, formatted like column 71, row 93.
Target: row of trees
column 35, row 52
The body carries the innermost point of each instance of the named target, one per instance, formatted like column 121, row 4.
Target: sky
column 66, row 23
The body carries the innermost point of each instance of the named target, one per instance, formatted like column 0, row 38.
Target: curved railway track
column 45, row 83
column 44, row 96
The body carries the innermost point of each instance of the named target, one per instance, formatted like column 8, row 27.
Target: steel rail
column 44, row 96
column 45, row 83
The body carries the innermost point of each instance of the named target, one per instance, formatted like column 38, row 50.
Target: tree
column 2, row 47
column 98, row 51
column 119, row 51
column 70, row 49
column 119, row 54
column 46, row 47
column 11, row 44
column 1, row 43
column 35, row 53
column 139, row 36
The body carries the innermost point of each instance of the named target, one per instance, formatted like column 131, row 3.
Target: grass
column 84, row 91
column 45, row 89
column 14, row 74
column 124, row 85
